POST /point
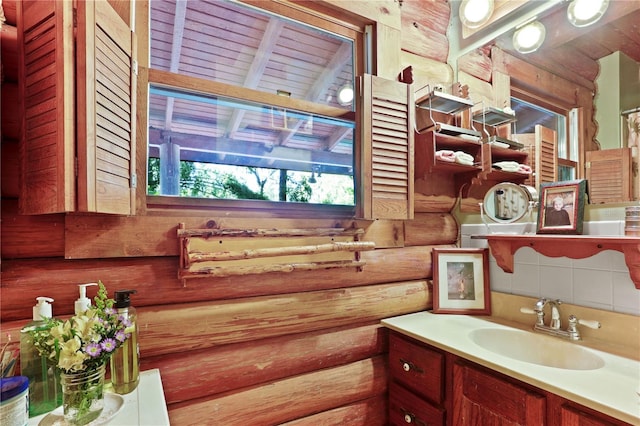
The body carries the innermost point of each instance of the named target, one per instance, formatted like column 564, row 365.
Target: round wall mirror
column 508, row 202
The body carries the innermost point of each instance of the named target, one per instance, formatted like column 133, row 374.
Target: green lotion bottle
column 43, row 386
column 125, row 361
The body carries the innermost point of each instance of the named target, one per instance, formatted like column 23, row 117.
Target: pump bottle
column 83, row 303
column 43, row 385
column 125, row 361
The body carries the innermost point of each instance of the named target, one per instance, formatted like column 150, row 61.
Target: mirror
column 507, row 202
column 602, row 60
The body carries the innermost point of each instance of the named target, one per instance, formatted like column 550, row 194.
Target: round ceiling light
column 345, row 94
column 475, row 13
column 582, row 13
column 529, row 38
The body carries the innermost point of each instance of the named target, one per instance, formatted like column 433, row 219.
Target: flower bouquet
column 80, row 347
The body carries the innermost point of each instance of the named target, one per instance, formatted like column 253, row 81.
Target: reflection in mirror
column 507, row 202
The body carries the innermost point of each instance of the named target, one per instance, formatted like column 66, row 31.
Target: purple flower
column 93, row 350
column 125, row 321
column 110, row 311
column 108, row 345
column 121, row 336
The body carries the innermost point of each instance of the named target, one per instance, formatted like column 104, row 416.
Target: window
column 531, row 114
column 247, row 104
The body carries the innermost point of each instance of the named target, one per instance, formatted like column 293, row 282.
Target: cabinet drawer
column 406, row 408
column 418, row 367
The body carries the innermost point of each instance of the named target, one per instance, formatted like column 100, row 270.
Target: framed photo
column 561, row 209
column 461, row 281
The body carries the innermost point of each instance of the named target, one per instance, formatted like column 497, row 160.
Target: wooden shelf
column 493, row 117
column 503, row 247
column 443, row 102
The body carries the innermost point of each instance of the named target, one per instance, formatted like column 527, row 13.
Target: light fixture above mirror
column 475, row 13
column 529, row 37
column 582, row 13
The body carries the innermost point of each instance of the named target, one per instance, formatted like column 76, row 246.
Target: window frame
column 312, row 14
column 543, row 100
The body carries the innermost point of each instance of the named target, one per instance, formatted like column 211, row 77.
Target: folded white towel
column 507, row 166
column 464, row 158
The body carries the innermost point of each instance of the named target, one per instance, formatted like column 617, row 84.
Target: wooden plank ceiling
column 226, row 43
column 567, row 51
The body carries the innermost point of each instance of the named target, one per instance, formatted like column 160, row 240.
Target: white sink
column 536, row 348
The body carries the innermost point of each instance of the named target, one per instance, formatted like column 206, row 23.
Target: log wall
column 299, row 348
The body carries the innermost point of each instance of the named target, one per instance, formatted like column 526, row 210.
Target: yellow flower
column 71, row 358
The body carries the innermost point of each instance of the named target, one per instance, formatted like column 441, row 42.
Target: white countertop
column 612, row 389
column 143, row 406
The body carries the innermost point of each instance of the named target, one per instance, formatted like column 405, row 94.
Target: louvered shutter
column 106, row 109
column 45, row 52
column 546, row 155
column 543, row 155
column 608, row 174
column 386, row 150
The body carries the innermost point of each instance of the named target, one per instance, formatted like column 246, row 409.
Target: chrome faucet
column 555, row 312
column 555, row 325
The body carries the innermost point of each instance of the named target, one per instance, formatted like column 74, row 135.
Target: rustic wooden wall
column 295, row 348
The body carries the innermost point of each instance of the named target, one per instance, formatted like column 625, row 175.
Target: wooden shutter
column 46, row 78
column 542, row 148
column 608, row 174
column 386, row 151
column 106, row 109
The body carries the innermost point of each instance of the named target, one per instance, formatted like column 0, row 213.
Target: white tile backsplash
column 525, row 280
column 593, row 288
column 601, row 281
column 556, row 282
column 626, row 298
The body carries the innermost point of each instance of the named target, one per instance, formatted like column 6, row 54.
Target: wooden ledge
column 503, row 247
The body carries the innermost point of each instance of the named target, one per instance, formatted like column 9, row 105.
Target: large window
column 532, row 113
column 247, row 104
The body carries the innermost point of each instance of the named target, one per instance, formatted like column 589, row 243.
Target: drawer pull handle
column 408, row 366
column 411, row 418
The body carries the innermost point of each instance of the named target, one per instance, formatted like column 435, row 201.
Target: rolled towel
column 464, row 158
column 507, row 166
column 445, row 155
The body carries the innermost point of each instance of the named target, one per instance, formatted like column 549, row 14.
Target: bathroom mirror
column 508, row 202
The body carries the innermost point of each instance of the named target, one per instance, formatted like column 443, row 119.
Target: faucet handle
column 574, row 334
column 537, row 312
column 590, row 323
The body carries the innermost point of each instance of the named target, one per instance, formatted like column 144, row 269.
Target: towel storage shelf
column 447, row 135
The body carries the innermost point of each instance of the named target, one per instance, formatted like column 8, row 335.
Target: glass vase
column 83, row 395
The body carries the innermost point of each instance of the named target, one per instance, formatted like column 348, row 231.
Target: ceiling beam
column 328, row 75
column 256, row 70
column 560, row 30
column 176, row 47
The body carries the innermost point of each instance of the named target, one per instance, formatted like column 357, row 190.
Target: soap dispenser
column 83, row 303
column 125, row 361
column 43, row 385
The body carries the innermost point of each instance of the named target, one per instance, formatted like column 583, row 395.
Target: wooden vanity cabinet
column 429, row 386
column 567, row 413
column 481, row 396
